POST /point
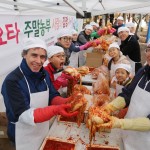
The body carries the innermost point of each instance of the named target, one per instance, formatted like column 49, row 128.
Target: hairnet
column 88, row 26
column 129, row 24
column 74, row 32
column 120, row 18
column 94, row 24
column 33, row 42
column 127, row 67
column 52, row 50
column 115, row 44
column 64, row 32
column 123, row 29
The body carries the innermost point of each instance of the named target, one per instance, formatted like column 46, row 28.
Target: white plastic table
column 80, row 135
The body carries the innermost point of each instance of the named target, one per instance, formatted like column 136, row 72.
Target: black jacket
column 131, row 48
column 83, row 38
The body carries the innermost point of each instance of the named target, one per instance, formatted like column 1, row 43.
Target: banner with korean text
column 13, row 29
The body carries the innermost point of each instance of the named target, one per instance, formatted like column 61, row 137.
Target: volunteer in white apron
column 121, row 78
column 37, row 132
column 64, row 40
column 130, row 48
column 31, row 99
column 56, row 59
column 136, row 125
column 74, row 58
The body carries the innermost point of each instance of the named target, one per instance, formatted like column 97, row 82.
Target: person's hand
column 97, row 41
column 58, row 100
column 113, row 123
column 137, row 124
column 101, row 32
column 85, row 46
column 66, row 76
column 63, row 79
column 110, row 30
column 62, row 110
column 117, row 104
column 46, row 113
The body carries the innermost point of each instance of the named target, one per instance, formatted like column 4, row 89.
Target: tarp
column 96, row 7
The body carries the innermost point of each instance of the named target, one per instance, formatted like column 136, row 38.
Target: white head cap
column 127, row 67
column 123, row 29
column 33, row 42
column 52, row 50
column 129, row 24
column 64, row 32
column 120, row 18
column 74, row 32
column 94, row 24
column 88, row 26
column 115, row 44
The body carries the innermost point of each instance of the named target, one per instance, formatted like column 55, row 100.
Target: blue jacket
column 143, row 73
column 16, row 93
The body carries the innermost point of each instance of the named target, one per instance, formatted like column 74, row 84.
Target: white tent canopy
column 19, row 17
column 70, row 7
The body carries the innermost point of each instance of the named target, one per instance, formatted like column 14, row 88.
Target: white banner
column 13, row 29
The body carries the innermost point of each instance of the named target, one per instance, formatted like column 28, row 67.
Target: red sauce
column 70, row 119
column 97, row 148
column 58, row 145
column 106, row 142
column 70, row 138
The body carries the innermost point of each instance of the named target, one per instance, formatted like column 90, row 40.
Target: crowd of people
column 31, row 91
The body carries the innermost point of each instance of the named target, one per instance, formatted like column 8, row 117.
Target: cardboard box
column 3, row 119
column 94, row 59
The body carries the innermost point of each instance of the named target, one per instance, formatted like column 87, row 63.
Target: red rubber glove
column 110, row 31
column 97, row 42
column 101, row 32
column 85, row 46
column 60, row 100
column 46, row 113
column 63, row 79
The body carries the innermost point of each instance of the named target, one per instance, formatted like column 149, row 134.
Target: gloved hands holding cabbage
column 137, row 124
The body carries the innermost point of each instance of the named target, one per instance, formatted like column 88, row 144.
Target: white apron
column 31, row 137
column 139, row 107
column 118, row 89
column 112, row 70
column 132, row 65
column 61, row 90
column 74, row 59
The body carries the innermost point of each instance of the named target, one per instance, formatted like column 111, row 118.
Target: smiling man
column 130, row 48
column 31, row 99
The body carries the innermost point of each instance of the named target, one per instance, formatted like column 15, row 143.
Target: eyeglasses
column 60, row 56
column 147, row 50
column 66, row 39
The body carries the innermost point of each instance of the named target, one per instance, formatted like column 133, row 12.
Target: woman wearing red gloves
column 31, row 99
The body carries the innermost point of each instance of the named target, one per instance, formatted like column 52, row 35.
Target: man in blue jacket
column 31, row 99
